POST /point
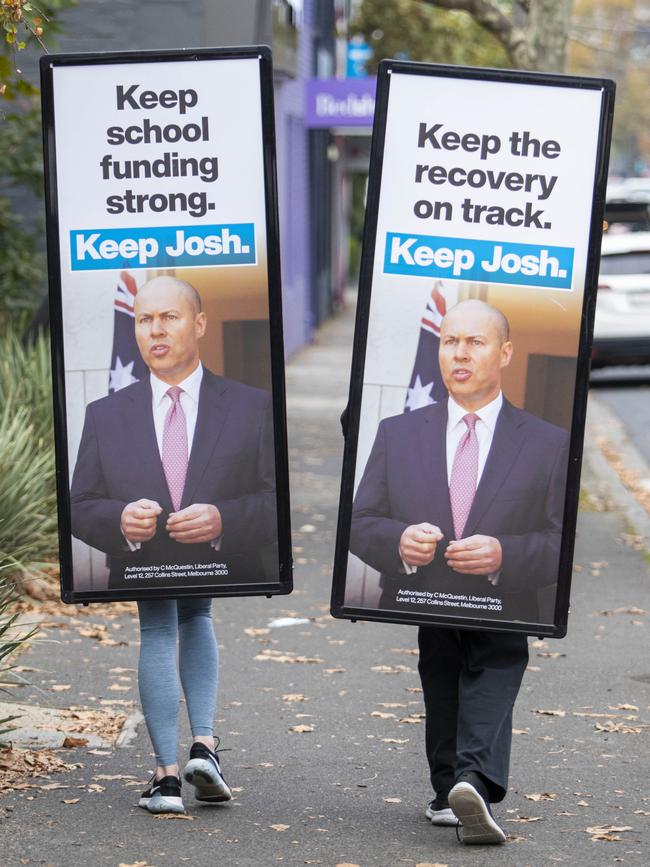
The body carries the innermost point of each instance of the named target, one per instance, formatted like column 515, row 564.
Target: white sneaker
column 475, row 816
column 162, row 796
column 440, row 813
column 204, row 773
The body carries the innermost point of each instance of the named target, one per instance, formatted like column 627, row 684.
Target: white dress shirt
column 456, row 430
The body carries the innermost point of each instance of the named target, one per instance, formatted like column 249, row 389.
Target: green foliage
column 23, row 24
column 22, row 267
column 12, row 638
column 22, row 262
column 412, row 30
column 28, row 525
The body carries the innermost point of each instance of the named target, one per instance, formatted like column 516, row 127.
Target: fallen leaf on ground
column 302, row 728
column 254, row 631
column 550, row 712
column 175, row 816
column 395, row 740
column 60, row 687
column 333, row 670
column 543, row 796
column 70, row 800
column 393, row 800
column 113, row 777
column 71, row 743
column 391, row 669
column 520, row 731
column 294, row 696
column 280, row 827
column 620, row 728
column 525, row 819
column 608, row 833
column 415, row 719
column 268, row 655
column 383, row 715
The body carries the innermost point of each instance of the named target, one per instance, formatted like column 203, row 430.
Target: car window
column 625, row 263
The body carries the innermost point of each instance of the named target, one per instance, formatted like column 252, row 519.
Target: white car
column 622, row 325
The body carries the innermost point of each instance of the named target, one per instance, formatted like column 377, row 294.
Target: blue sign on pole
column 359, row 53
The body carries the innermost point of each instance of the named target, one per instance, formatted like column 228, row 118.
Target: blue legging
column 161, row 621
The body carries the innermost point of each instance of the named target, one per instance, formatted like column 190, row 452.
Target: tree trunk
column 547, row 33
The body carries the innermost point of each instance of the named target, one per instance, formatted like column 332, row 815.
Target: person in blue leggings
column 164, row 623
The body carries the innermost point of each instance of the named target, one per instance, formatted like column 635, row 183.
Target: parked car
column 622, row 325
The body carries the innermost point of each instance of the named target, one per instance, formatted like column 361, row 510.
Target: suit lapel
column 144, row 447
column 506, row 445
column 433, row 445
column 214, row 404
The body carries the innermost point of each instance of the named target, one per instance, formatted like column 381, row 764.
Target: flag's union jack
column 126, row 292
column 127, row 365
column 426, row 386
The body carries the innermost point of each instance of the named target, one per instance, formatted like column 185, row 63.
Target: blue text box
column 163, row 247
column 479, row 261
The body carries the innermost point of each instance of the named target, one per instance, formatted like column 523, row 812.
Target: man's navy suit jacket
column 519, row 501
column 231, row 465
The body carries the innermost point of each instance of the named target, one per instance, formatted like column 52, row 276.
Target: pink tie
column 464, row 474
column 174, row 448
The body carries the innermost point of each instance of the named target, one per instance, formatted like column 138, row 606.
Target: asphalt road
column 322, row 719
column 626, row 391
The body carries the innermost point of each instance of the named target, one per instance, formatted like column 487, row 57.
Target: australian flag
column 127, row 365
column 426, row 386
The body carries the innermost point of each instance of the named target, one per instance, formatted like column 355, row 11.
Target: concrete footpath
column 323, row 718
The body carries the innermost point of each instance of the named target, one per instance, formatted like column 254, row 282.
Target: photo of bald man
column 175, row 474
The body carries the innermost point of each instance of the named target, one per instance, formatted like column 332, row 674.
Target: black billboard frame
column 263, row 54
column 338, row 607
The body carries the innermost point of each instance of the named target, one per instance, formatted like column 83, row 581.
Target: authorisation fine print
column 469, row 377
column 166, row 324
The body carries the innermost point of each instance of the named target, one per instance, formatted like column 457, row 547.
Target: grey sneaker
column 473, row 812
column 162, row 796
column 438, row 812
column 203, row 771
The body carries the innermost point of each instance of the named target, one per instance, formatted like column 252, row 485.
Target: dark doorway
column 550, row 385
column 246, row 352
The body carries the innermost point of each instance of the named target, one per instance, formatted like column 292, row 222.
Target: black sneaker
column 204, row 773
column 439, row 812
column 468, row 799
column 162, row 796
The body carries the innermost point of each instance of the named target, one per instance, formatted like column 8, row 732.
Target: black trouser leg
column 439, row 667
column 491, row 674
column 470, row 681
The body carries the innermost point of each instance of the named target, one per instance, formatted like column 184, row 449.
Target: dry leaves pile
column 17, row 766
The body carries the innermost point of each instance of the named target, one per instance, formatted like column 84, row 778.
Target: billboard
column 470, row 369
column 165, row 302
